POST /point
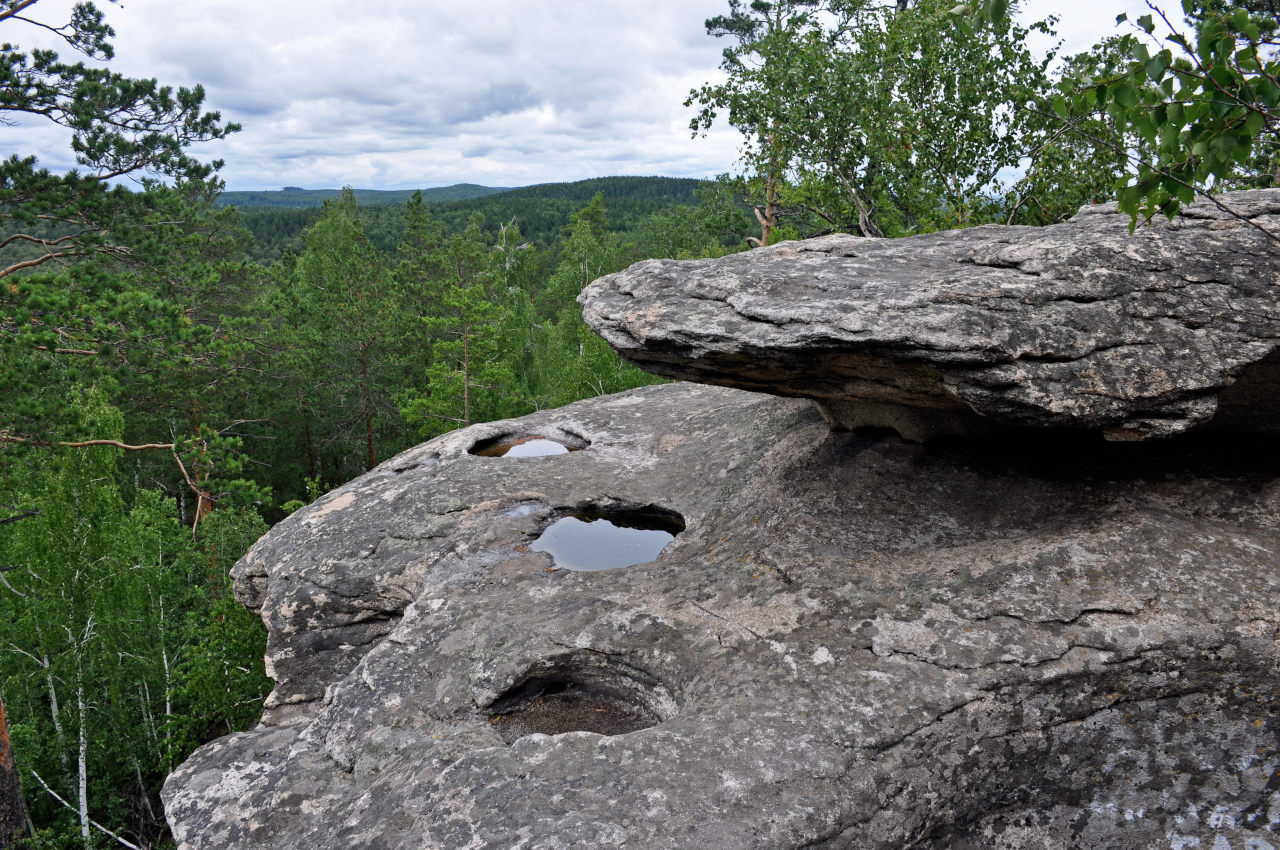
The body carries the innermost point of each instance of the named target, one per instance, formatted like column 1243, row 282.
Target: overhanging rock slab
column 1077, row 325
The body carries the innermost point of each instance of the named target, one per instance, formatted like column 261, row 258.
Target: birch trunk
column 82, row 770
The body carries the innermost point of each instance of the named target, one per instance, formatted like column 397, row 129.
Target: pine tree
column 468, row 380
column 68, row 242
column 346, row 306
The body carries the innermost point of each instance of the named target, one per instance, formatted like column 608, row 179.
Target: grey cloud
column 496, row 99
column 249, row 103
column 411, row 92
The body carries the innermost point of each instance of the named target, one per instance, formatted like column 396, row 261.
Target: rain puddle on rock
column 599, row 541
column 521, row 447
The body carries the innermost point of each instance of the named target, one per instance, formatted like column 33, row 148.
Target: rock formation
column 1036, row 639
column 1078, row 325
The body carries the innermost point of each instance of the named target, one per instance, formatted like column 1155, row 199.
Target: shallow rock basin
column 523, row 446
column 580, row 692
column 597, row 541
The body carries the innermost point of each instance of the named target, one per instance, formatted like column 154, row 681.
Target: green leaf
column 1268, row 91
column 1125, row 94
column 1154, row 68
column 1254, row 123
column 1145, row 127
column 1127, row 199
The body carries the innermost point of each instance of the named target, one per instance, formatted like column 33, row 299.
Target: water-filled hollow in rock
column 580, row 693
column 526, row 445
column 600, row 540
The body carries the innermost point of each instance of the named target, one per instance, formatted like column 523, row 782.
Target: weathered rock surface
column 1078, row 325
column 857, row 642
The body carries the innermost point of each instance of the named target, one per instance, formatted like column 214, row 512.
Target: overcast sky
column 387, row 94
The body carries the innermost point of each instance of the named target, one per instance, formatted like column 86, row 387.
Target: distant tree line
column 295, row 196
column 543, row 213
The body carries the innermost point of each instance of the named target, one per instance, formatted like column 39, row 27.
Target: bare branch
column 239, row 422
column 52, row 255
column 45, row 242
column 83, row 444
column 93, row 822
column 21, row 515
column 204, row 499
column 5, row 582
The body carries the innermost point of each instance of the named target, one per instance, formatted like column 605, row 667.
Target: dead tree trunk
column 13, row 822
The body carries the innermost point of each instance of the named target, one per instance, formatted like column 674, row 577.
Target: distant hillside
column 665, row 188
column 542, row 211
column 292, row 197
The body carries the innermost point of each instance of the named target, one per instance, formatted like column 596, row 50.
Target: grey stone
column 1078, row 325
column 857, row 642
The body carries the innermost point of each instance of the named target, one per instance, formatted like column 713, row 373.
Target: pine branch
column 6, row 14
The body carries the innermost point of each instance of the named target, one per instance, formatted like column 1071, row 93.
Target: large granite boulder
column 1078, row 325
column 857, row 641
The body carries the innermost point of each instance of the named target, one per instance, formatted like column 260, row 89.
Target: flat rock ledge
column 1077, row 325
column 857, row 642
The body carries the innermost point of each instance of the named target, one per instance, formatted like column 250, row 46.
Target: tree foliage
column 466, row 379
column 116, row 324
column 1192, row 106
column 873, row 118
column 1078, row 149
column 68, row 241
column 106, row 611
column 1205, row 101
column 343, row 291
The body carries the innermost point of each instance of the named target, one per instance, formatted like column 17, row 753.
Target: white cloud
column 408, row 93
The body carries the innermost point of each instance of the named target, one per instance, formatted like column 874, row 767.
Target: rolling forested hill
column 292, row 197
column 541, row 211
